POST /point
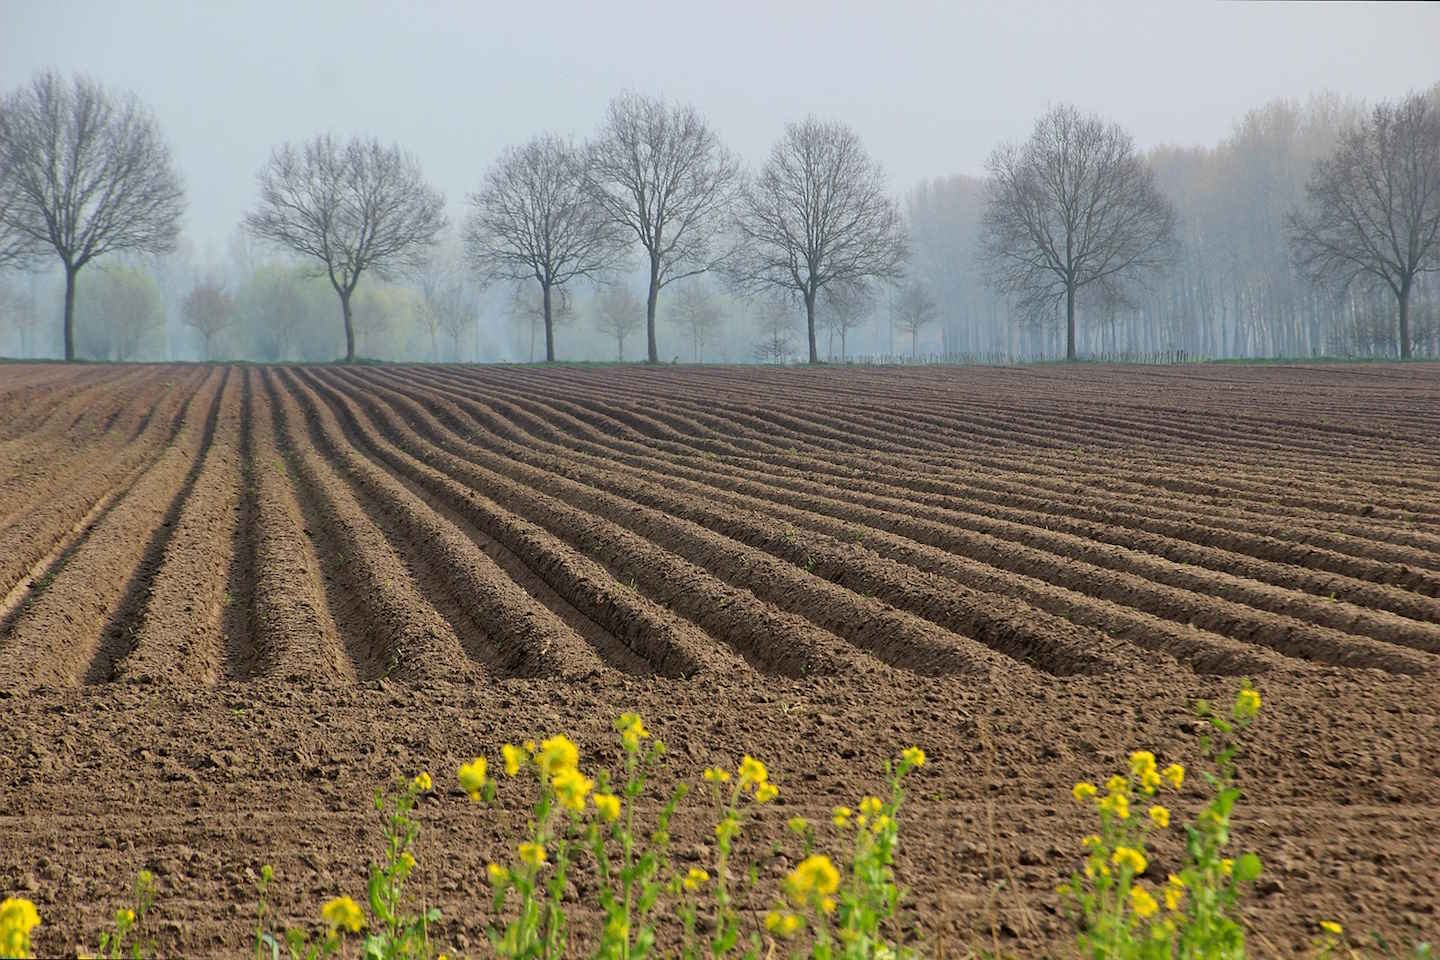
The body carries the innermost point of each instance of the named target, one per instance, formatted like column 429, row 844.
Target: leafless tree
column 1374, row 205
column 445, row 303
column 776, row 327
column 208, row 310
column 663, row 176
column 536, row 219
column 816, row 215
column 618, row 313
column 85, row 173
column 1072, row 206
column 354, row 207
column 846, row 307
column 914, row 309
column 697, row 313
column 527, row 310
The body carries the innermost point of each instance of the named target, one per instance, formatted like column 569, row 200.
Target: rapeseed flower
column 497, row 873
column 695, row 878
column 716, row 775
column 1159, row 816
column 515, row 758
column 557, row 753
column 1247, row 703
column 632, row 731
column 571, row 788
column 1083, row 791
column 1331, row 927
column 1129, row 858
column 1142, row 903
column 472, row 777
column 1117, row 805
column 840, row 816
column 1174, row 775
column 422, row 782
column 752, row 772
column 532, row 854
column 814, row 875
column 766, row 792
column 609, row 806
column 913, row 756
column 342, row 913
column 783, row 923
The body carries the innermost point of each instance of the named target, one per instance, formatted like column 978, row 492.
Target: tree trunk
column 842, row 344
column 810, row 324
column 914, row 342
column 1405, row 321
column 620, row 347
column 70, row 273
column 349, row 325
column 1069, row 323
column 650, row 300
column 549, row 327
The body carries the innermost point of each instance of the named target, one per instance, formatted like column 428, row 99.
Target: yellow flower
column 797, row 824
column 124, row 917
column 571, row 788
column 871, row 806
column 422, row 782
column 17, row 913
column 530, row 747
column 1140, row 761
column 342, row 913
column 1174, row 896
column 695, row 878
column 815, row 875
column 1159, row 816
column 1095, row 867
column 827, row 904
column 752, row 771
column 1227, row 867
column 1083, row 791
column 407, row 860
column 913, row 756
column 841, row 816
column 557, row 753
column 1331, row 927
column 632, row 731
column 617, row 928
column 1247, row 704
column 1091, row 842
column 1117, row 805
column 783, row 924
column 1174, row 774
column 881, row 823
column 766, row 792
column 497, row 873
column 472, row 777
column 515, row 758
column 716, row 775
column 609, row 806
column 1142, row 903
column 532, row 853
column 1129, row 858
column 1149, row 781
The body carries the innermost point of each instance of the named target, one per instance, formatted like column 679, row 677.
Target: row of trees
column 1279, row 237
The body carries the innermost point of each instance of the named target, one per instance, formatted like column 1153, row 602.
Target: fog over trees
column 1311, row 229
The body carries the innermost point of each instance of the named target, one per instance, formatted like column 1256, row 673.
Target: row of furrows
column 1189, row 603
column 915, row 425
column 1379, row 559
column 334, row 525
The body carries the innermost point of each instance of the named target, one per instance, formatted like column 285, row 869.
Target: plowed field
column 235, row 600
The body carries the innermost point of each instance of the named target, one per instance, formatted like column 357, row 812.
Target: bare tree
column 354, row 207
column 528, row 311
column 776, row 327
column 618, row 313
column 914, row 310
column 1072, row 206
column 662, row 175
column 697, row 313
column 208, row 310
column 445, row 303
column 536, row 219
column 1374, row 205
column 818, row 214
column 846, row 307
column 85, row 173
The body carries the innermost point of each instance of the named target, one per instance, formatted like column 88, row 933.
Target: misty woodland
column 1309, row 231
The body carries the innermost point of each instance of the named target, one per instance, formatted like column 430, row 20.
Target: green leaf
column 1247, row 868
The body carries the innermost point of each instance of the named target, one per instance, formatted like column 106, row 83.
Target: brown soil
column 234, row 601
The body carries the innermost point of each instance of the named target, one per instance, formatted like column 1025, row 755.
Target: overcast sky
column 932, row 87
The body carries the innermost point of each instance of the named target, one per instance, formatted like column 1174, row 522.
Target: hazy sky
column 932, row 87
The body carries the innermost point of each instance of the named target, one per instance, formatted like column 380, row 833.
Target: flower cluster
column 17, row 918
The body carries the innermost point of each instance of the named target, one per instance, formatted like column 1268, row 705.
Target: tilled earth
column 236, row 600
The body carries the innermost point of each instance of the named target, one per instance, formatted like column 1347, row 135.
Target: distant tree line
column 1313, row 229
